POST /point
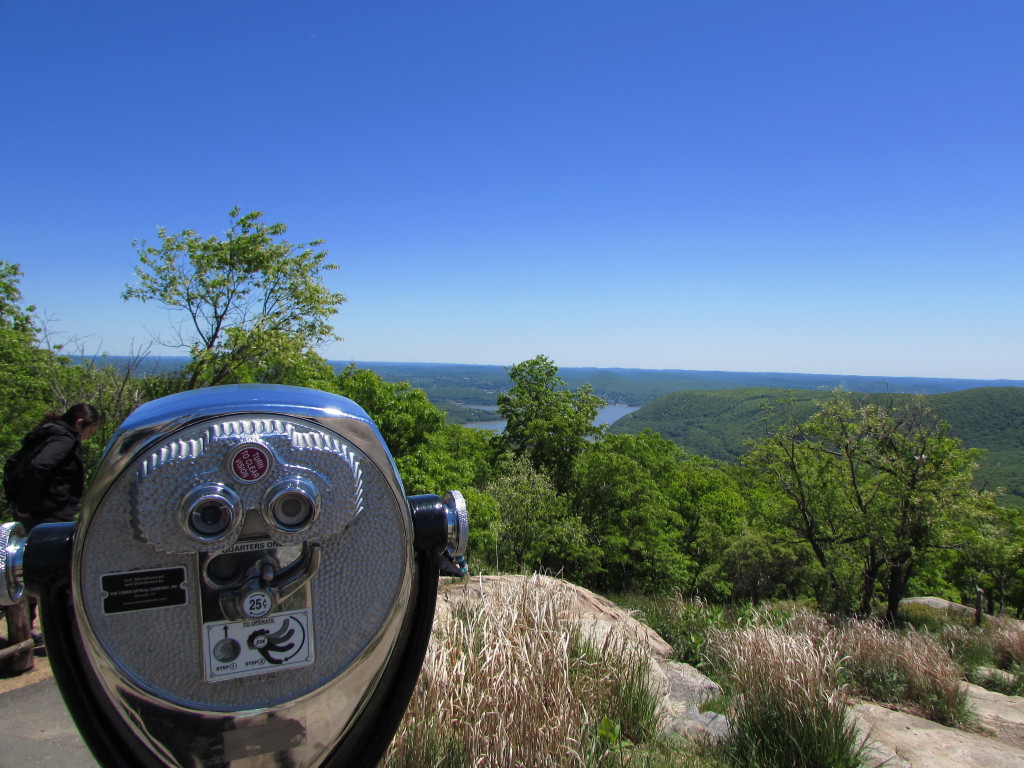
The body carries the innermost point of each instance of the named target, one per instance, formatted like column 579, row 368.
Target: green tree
column 546, row 422
column 760, row 566
column 712, row 510
column 992, row 557
column 620, row 488
column 287, row 359
column 872, row 488
column 24, row 390
column 404, row 415
column 246, row 296
column 534, row 529
column 432, row 456
column 453, row 457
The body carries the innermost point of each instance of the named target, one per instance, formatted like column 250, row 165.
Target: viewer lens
column 210, row 512
column 210, row 519
column 291, row 505
column 292, row 511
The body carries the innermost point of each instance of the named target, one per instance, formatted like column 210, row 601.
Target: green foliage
column 715, row 424
column 871, row 489
column 547, row 423
column 253, row 304
column 630, row 520
column 718, row 424
column 930, row 619
column 404, row 416
column 534, row 530
column 480, row 384
column 991, row 555
column 684, row 624
column 432, row 456
column 23, row 380
column 991, row 418
column 759, row 566
column 451, row 457
column 286, row 359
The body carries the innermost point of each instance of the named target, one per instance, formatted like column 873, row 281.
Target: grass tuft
column 910, row 669
column 514, row 681
column 789, row 707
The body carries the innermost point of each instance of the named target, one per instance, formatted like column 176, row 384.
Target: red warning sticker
column 250, row 463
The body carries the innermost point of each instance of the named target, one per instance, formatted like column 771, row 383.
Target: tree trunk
column 868, row 587
column 899, row 577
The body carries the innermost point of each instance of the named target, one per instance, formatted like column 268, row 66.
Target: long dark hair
column 83, row 411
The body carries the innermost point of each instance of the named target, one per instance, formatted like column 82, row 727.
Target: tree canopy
column 23, row 364
column 546, row 422
column 872, row 489
column 246, row 297
column 853, row 501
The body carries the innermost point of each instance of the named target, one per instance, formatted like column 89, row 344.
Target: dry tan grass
column 512, row 682
column 789, row 705
column 798, row 669
column 1007, row 640
column 911, row 669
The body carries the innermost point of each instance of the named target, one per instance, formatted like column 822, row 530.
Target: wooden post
column 19, row 630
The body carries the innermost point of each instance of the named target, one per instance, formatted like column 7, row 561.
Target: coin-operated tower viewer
column 248, row 584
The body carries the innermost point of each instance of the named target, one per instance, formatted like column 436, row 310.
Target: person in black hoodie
column 53, row 478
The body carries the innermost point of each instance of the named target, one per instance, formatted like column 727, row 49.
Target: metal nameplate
column 143, row 590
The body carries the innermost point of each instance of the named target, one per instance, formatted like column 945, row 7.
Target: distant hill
column 716, row 424
column 481, row 384
column 713, row 412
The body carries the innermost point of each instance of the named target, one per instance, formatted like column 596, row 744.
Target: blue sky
column 749, row 186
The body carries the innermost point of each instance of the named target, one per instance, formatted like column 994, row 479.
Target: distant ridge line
column 171, row 362
column 479, row 384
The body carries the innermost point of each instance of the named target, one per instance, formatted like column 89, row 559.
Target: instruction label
column 278, row 641
column 142, row 590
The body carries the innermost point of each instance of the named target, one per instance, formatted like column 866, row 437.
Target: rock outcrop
column 895, row 739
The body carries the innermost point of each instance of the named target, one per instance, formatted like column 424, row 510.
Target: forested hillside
column 481, row 384
column 719, row 424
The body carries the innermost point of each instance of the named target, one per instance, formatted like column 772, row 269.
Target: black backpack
column 16, row 464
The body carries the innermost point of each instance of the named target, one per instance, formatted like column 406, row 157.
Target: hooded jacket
column 54, row 476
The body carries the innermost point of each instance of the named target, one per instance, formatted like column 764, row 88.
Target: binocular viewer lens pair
column 212, row 511
column 248, row 584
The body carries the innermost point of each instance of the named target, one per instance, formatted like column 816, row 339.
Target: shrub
column 992, row 656
column 1007, row 641
column 969, row 647
column 683, row 623
column 934, row 620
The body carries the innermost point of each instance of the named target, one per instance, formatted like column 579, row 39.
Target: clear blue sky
column 751, row 186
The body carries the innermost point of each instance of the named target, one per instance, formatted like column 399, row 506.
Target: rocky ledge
column 896, row 739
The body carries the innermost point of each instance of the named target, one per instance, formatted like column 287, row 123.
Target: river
column 607, row 415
